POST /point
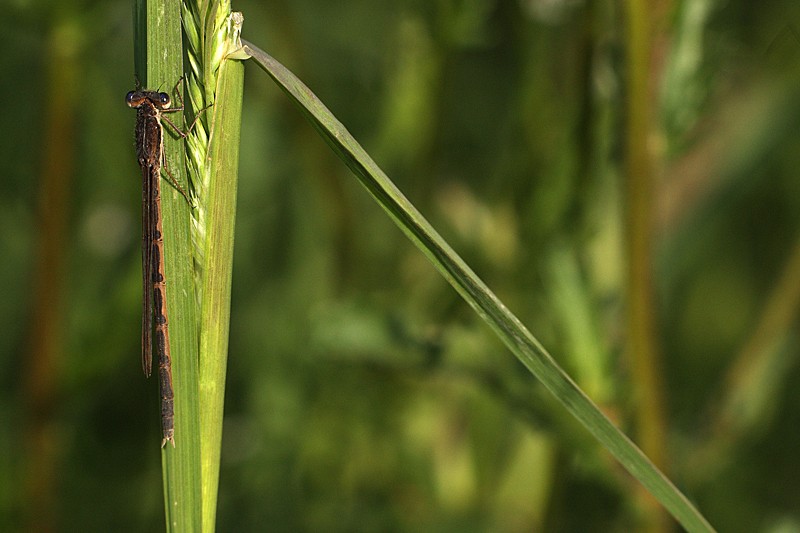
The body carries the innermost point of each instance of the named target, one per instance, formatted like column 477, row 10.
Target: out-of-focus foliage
column 363, row 395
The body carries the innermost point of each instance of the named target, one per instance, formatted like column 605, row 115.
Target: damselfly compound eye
column 163, row 98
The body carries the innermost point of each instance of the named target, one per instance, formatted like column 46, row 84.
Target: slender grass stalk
column 527, row 349
column 642, row 347
column 159, row 64
column 212, row 31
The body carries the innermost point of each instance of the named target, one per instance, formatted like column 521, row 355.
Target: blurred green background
column 363, row 395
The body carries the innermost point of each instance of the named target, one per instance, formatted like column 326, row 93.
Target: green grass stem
column 159, row 63
column 215, row 83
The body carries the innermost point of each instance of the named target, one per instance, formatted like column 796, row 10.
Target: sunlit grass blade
column 527, row 349
column 215, row 83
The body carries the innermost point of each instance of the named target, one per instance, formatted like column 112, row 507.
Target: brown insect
column 151, row 106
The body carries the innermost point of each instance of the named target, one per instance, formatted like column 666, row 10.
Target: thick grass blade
column 527, row 349
column 159, row 63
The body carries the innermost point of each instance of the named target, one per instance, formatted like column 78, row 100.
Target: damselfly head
column 152, row 98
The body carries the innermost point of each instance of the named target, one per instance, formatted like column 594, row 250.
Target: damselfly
column 151, row 106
